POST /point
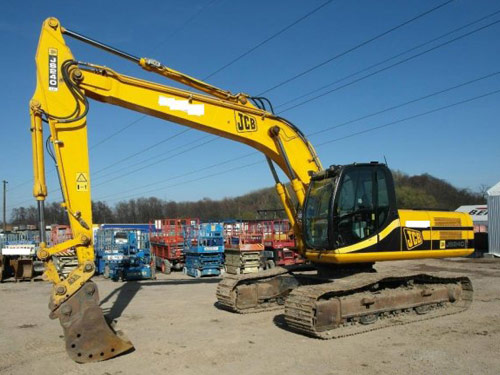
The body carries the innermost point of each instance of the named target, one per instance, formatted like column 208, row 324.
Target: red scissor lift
column 167, row 242
column 244, row 246
column 279, row 242
column 59, row 234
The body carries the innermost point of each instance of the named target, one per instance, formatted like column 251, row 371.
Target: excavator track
column 256, row 292
column 367, row 302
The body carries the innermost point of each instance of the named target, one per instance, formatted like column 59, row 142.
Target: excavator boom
column 60, row 100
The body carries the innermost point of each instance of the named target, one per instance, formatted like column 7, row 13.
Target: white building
column 479, row 214
column 494, row 220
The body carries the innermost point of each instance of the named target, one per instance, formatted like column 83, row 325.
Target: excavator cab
column 348, row 204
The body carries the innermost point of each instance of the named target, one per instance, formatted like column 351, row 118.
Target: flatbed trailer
column 18, row 257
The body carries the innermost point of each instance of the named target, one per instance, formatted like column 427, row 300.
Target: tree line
column 144, row 210
column 422, row 191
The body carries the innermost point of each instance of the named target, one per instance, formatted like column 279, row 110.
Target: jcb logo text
column 245, row 123
column 413, row 238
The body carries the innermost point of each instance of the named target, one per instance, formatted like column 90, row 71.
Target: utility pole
column 4, row 206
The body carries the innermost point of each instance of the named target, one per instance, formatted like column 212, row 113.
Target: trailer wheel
column 184, row 270
column 197, row 274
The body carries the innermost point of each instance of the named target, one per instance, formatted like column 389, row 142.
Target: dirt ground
column 176, row 329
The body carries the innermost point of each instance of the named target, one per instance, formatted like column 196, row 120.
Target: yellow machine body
column 413, row 235
column 63, row 86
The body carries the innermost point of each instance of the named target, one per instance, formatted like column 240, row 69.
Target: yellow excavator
column 344, row 217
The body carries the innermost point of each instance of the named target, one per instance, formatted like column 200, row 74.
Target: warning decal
column 82, row 182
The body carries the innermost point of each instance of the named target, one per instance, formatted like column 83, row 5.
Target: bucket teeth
column 87, row 334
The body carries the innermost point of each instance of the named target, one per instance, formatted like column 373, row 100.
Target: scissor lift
column 167, row 243
column 65, row 261
column 279, row 242
column 244, row 246
column 204, row 250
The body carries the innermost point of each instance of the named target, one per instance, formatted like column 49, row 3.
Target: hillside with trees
column 426, row 191
column 421, row 191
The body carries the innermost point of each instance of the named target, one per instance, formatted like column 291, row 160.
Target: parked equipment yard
column 177, row 329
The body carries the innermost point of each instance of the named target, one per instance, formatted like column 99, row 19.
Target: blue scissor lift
column 204, row 250
column 123, row 254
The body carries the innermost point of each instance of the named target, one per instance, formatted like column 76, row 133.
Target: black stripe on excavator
column 441, row 228
column 391, row 242
column 452, row 244
column 452, row 228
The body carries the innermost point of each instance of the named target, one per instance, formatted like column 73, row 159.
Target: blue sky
column 458, row 144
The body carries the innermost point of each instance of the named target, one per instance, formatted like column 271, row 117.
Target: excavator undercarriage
column 350, row 305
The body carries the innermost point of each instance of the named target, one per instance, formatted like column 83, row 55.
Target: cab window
column 354, row 211
column 382, row 199
column 317, row 212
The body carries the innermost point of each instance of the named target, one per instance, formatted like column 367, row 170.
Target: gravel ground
column 176, row 329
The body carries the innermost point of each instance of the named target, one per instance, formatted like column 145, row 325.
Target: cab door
column 354, row 207
column 386, row 215
column 363, row 208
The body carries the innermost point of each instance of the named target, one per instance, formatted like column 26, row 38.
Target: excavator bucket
column 88, row 336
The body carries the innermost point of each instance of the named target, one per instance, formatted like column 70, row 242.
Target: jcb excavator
column 345, row 218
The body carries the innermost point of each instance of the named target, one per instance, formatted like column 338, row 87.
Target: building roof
column 494, row 190
column 479, row 212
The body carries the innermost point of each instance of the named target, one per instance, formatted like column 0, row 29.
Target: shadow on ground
column 280, row 322
column 127, row 291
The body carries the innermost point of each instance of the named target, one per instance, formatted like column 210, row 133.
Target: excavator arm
column 60, row 100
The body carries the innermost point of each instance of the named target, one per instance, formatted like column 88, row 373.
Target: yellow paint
column 413, row 215
column 70, row 149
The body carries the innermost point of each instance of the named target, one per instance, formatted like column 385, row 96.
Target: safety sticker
column 82, row 182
